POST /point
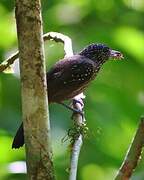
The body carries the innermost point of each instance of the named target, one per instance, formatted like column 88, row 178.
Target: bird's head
column 100, row 53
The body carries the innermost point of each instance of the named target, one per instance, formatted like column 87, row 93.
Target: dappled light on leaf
column 135, row 4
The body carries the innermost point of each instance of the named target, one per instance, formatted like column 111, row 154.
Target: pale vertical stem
column 77, row 138
column 34, row 90
column 75, row 157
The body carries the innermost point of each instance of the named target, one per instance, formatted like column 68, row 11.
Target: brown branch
column 57, row 37
column 133, row 155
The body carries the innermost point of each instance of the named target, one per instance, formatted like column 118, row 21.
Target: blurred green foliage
column 114, row 101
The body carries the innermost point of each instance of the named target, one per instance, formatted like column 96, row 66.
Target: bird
column 71, row 76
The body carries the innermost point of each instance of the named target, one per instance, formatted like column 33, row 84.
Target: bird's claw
column 80, row 101
column 74, row 110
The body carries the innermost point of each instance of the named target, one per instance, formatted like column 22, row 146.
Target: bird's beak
column 116, row 55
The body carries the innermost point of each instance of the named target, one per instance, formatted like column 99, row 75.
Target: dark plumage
column 70, row 76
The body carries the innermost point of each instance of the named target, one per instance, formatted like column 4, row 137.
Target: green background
column 114, row 101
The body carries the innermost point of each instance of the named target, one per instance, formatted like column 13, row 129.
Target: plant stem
column 34, row 90
column 133, row 155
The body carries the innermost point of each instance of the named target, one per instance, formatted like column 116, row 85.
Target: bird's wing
column 68, row 78
column 70, row 70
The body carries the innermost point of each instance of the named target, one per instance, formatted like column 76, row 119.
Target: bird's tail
column 19, row 138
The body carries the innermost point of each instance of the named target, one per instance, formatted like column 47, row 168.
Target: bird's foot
column 74, row 110
column 80, row 101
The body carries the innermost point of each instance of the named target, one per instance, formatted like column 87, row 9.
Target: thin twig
column 9, row 61
column 78, row 119
column 74, row 158
column 77, row 137
column 133, row 155
column 57, row 37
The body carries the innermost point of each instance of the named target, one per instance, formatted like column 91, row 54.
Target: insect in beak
column 116, row 55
